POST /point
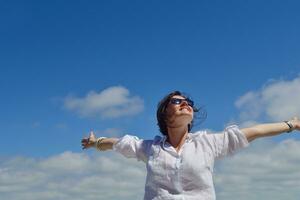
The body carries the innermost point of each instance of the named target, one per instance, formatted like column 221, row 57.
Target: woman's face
column 179, row 112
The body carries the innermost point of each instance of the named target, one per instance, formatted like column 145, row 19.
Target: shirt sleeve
column 227, row 142
column 133, row 147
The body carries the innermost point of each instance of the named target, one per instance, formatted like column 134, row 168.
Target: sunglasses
column 179, row 101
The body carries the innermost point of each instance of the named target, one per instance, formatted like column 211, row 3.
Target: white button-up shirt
column 186, row 175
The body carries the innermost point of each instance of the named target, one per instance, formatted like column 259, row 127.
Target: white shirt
column 186, row 175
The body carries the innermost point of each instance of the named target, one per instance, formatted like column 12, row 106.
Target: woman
column 180, row 164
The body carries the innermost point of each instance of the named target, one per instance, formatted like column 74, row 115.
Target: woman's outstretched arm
column 270, row 129
column 101, row 143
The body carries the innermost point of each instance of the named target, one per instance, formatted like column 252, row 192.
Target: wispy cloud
column 278, row 100
column 112, row 102
column 110, row 132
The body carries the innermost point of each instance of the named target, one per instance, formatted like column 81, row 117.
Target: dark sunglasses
column 179, row 101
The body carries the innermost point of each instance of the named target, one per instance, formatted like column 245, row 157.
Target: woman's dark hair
column 161, row 112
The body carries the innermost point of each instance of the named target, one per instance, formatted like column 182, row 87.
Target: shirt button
column 178, row 163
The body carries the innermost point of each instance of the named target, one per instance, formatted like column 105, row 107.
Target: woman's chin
column 183, row 119
column 186, row 116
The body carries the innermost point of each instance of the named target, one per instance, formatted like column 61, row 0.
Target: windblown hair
column 161, row 114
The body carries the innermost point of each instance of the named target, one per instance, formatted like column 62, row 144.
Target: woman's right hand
column 89, row 142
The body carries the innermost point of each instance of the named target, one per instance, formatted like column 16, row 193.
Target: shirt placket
column 177, row 165
column 178, row 172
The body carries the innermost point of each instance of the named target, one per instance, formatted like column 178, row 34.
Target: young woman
column 179, row 163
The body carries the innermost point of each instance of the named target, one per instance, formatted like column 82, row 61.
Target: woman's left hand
column 296, row 123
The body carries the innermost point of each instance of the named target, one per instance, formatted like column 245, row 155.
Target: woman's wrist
column 290, row 125
column 97, row 144
column 293, row 124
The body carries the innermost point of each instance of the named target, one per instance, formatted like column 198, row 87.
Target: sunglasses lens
column 178, row 101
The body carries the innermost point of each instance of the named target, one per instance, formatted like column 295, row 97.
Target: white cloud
column 277, row 101
column 112, row 102
column 65, row 162
column 264, row 170
column 72, row 176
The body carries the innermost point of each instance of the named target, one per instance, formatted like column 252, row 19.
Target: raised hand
column 89, row 142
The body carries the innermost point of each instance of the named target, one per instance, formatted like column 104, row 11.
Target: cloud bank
column 71, row 176
column 264, row 170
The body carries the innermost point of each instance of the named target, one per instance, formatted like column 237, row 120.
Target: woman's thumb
column 92, row 135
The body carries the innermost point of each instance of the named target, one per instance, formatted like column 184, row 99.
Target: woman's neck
column 177, row 136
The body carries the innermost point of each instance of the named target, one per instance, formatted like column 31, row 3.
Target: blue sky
column 69, row 67
column 215, row 51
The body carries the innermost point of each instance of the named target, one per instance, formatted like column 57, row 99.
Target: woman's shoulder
column 197, row 134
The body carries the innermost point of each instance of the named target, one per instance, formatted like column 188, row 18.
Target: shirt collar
column 164, row 139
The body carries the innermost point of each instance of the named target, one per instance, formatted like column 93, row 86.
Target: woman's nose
column 184, row 102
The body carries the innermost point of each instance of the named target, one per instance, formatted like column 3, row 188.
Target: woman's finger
column 86, row 141
column 84, row 146
column 92, row 134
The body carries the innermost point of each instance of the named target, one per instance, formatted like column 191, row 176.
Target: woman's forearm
column 104, row 144
column 264, row 130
